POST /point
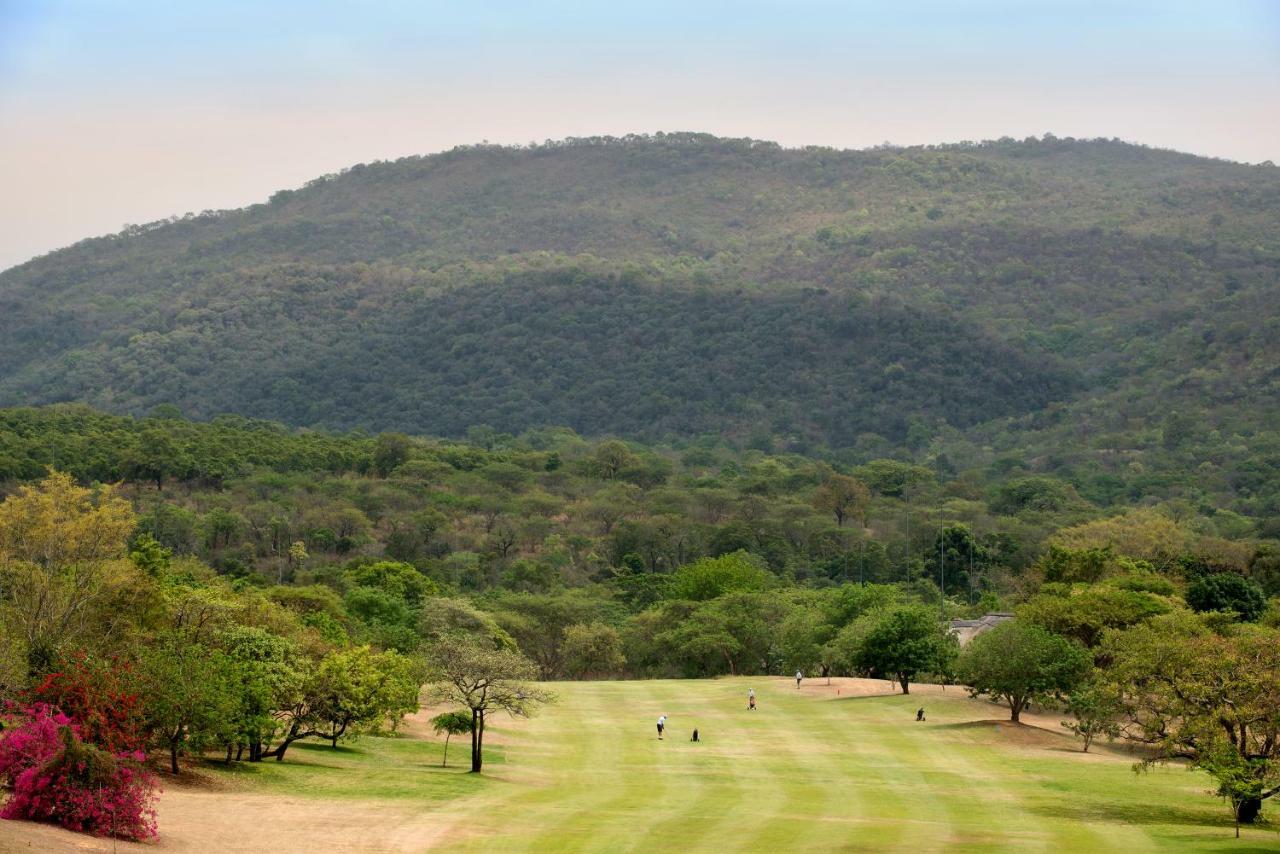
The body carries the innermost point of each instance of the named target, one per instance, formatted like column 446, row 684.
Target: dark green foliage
column 1019, row 661
column 905, row 642
column 1226, row 591
column 959, row 560
column 659, row 286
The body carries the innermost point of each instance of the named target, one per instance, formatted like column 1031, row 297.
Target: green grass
column 803, row 772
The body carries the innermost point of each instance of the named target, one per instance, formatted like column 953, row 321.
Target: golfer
column 662, row 724
column 799, row 676
column 751, row 699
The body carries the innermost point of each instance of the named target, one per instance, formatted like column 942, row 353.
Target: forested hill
column 666, row 285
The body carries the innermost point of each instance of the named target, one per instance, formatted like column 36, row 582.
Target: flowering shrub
column 31, row 740
column 101, row 697
column 57, row 777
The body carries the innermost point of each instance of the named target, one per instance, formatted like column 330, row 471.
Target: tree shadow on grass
column 1134, row 814
column 325, row 747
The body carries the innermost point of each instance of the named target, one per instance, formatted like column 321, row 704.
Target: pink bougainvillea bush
column 56, row 777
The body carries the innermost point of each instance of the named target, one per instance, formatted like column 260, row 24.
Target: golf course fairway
column 822, row 768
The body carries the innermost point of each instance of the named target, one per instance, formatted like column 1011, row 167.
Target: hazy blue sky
column 126, row 112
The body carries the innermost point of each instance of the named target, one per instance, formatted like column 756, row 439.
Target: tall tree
column 61, row 551
column 483, row 680
column 1201, row 696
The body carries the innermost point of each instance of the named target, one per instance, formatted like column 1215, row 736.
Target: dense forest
column 1050, row 294
column 607, row 524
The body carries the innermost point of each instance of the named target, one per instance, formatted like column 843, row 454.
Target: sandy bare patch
column 195, row 820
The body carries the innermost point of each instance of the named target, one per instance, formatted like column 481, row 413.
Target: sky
column 115, row 113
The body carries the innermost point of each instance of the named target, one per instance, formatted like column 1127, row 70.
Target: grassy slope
column 806, row 771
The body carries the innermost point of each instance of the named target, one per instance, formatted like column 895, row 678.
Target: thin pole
column 862, row 560
column 942, row 559
column 906, row 547
column 972, row 536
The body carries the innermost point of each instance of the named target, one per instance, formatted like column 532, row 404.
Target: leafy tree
column 1018, row 662
column 1037, row 494
column 892, row 477
column 1068, row 565
column 609, row 459
column 189, row 696
column 1226, row 591
column 966, row 560
column 149, row 556
column 389, row 452
column 357, row 690
column 483, row 681
column 451, row 724
column 269, row 678
column 60, row 551
column 903, row 642
column 592, row 650
column 804, row 639
column 402, row 581
column 1084, row 615
column 443, row 615
column 538, row 623
column 842, row 497
column 1206, row 697
column 710, row 578
column 1095, row 711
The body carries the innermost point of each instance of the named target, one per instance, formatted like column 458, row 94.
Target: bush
column 1145, row 582
column 58, row 778
column 1226, row 591
column 102, row 698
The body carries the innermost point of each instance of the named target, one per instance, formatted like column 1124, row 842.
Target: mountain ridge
column 1075, row 263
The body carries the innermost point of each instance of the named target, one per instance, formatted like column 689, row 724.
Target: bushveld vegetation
column 816, row 404
column 242, row 587
column 1090, row 308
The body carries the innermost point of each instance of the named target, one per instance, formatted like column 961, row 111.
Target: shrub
column 1226, row 591
column 58, row 778
column 1145, row 582
column 102, row 698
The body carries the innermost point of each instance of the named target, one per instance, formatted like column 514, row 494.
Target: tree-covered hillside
column 662, row 286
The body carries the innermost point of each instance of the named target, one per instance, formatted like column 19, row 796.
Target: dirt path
column 222, row 821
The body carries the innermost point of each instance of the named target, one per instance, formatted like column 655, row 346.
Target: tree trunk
column 173, row 756
column 229, row 749
column 1015, row 709
column 902, row 680
column 477, row 754
column 475, row 742
column 444, row 763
